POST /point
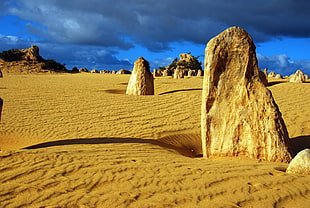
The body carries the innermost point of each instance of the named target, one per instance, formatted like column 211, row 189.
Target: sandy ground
column 79, row 141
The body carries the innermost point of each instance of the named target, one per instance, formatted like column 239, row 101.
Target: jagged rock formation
column 141, row 81
column 31, row 54
column 298, row 77
column 300, row 164
column 27, row 61
column 239, row 115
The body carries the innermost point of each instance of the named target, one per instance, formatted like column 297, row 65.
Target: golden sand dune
column 79, row 141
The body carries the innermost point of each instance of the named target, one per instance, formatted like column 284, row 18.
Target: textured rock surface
column 141, row 81
column 263, row 77
column 298, row 77
column 31, row 54
column 239, row 115
column 300, row 164
column 1, row 105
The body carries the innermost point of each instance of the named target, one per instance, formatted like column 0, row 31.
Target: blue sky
column 106, row 34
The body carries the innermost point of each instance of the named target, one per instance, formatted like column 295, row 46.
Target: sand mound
column 88, row 147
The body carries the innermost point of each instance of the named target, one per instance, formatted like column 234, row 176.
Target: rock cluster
column 239, row 115
column 141, row 81
column 300, row 164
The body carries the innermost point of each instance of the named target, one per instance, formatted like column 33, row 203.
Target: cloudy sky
column 111, row 34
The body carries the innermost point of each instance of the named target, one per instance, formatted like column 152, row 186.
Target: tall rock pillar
column 141, row 81
column 239, row 115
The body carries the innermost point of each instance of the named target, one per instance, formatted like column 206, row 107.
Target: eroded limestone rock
column 141, row 81
column 239, row 115
column 298, row 77
column 300, row 164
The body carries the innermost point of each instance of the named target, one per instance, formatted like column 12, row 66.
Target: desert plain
column 76, row 140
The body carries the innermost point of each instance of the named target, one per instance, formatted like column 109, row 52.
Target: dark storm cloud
column 154, row 24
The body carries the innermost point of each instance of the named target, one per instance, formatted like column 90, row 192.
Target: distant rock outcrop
column 123, row 71
column 298, row 77
column 141, row 81
column 94, row 71
column 83, row 70
column 239, row 115
column 300, row 164
column 279, row 76
column 28, row 61
column 31, row 54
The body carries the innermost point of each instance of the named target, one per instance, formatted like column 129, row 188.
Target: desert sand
column 76, row 140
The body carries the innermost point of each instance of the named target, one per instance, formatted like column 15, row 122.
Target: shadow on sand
column 300, row 143
column 186, row 144
column 275, row 83
column 177, row 145
column 183, row 90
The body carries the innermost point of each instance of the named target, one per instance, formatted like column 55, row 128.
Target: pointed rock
column 239, row 115
column 141, row 81
column 300, row 164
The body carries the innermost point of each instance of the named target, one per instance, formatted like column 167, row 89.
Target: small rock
column 300, row 164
